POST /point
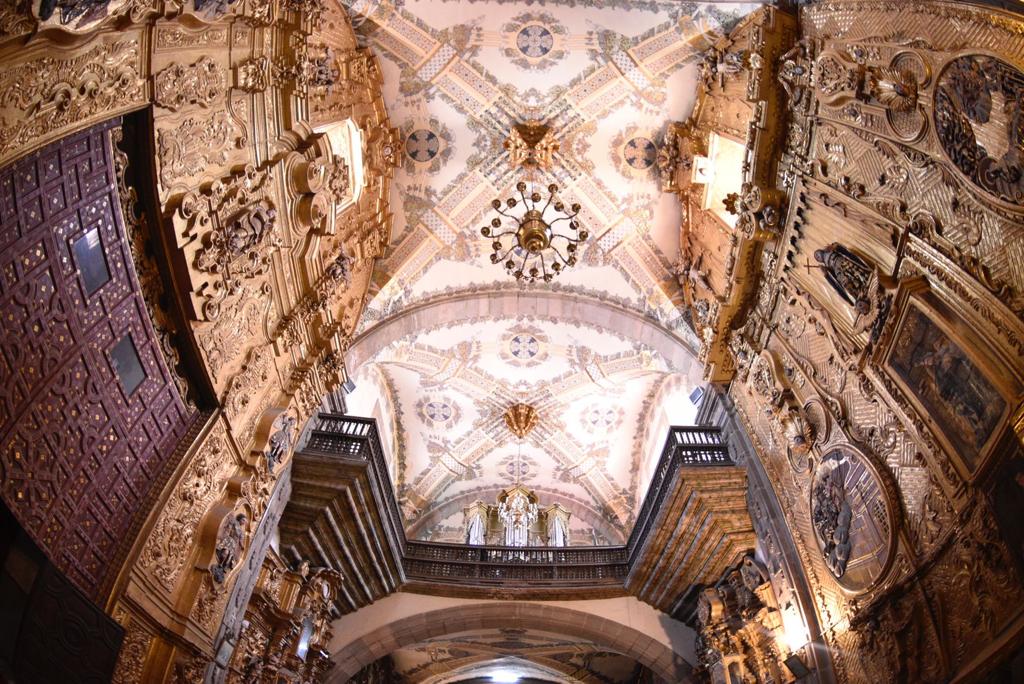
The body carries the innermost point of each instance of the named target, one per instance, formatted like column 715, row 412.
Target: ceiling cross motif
column 564, row 444
column 447, row 69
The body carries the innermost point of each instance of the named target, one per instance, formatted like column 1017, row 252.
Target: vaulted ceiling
column 512, row 655
column 602, row 352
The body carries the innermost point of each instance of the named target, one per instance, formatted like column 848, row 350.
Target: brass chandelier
column 540, row 248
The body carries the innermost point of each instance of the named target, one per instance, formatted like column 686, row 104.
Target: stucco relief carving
column 223, row 341
column 895, row 638
column 192, row 146
column 171, row 540
column 253, row 75
column 133, row 654
column 336, row 277
column 984, row 140
column 16, row 18
column 839, row 79
column 178, row 36
column 244, row 396
column 339, row 180
column 178, row 85
column 41, row 98
column 236, row 223
column 759, row 211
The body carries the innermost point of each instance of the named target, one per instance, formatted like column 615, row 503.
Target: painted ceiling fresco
column 501, row 654
column 601, row 399
column 606, row 76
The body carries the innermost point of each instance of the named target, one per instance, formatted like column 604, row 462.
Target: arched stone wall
column 623, row 625
column 498, row 304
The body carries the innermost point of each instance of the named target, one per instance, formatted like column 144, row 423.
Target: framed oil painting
column 963, row 395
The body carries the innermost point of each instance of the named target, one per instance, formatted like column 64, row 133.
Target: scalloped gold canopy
column 520, row 419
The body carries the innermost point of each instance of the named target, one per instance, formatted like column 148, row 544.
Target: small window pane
column 91, row 262
column 127, row 365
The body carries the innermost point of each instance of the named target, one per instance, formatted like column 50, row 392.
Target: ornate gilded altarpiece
column 873, row 340
column 259, row 173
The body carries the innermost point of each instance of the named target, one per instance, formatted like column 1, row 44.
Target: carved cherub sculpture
column 280, row 442
column 794, row 74
column 754, row 574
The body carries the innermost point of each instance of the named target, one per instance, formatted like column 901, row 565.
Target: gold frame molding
column 917, row 293
column 889, row 494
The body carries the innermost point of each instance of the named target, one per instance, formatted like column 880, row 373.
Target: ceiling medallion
column 520, row 419
column 531, row 144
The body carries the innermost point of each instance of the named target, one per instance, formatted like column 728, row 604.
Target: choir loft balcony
column 343, row 514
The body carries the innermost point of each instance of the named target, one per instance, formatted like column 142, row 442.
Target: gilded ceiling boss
column 539, row 341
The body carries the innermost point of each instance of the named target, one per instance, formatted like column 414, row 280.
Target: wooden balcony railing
column 685, row 447
column 356, row 439
column 503, row 565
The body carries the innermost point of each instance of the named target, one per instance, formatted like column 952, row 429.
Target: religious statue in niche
column 979, row 120
column 851, row 519
column 518, row 513
column 795, row 76
column 848, row 274
column 947, row 383
column 720, row 62
column 230, row 542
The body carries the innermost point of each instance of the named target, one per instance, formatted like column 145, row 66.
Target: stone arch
column 623, row 625
column 572, row 307
column 470, row 668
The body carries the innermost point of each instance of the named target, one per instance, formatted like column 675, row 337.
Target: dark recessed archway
column 620, row 628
